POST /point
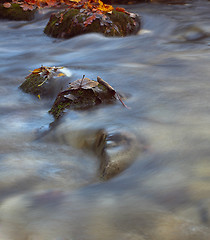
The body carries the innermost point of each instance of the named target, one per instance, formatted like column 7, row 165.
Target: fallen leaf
column 7, row 5
column 26, row 7
column 84, row 83
column 61, row 75
column 119, row 9
column 89, row 20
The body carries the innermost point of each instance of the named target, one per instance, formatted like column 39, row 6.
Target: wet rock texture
column 42, row 85
column 82, row 98
column 70, row 23
column 16, row 12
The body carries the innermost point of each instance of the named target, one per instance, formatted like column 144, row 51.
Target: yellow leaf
column 36, row 71
column 104, row 7
column 39, row 97
column 61, row 74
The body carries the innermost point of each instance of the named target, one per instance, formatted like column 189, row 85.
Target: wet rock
column 115, row 150
column 74, row 22
column 120, row 151
column 189, row 34
column 16, row 12
column 80, row 97
column 43, row 82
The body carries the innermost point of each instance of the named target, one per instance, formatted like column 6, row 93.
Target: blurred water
column 164, row 71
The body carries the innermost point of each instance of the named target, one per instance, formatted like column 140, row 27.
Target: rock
column 120, row 150
column 115, row 150
column 16, row 12
column 71, row 23
column 82, row 97
column 189, row 33
column 43, row 82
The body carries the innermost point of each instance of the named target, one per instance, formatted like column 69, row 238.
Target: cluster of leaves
column 94, row 9
column 47, row 73
column 91, row 5
column 32, row 4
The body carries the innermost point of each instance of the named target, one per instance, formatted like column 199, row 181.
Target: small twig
column 81, row 81
column 119, row 98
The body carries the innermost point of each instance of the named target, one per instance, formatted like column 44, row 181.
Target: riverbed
column 50, row 189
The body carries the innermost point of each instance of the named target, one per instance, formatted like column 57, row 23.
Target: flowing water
column 50, row 190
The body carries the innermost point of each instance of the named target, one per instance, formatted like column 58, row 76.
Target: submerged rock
column 74, row 22
column 83, row 94
column 120, row 150
column 15, row 12
column 115, row 149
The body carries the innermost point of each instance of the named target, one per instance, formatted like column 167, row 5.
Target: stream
column 50, row 190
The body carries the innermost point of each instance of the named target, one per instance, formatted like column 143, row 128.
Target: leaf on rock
column 111, row 89
column 119, row 9
column 61, row 75
column 7, row 5
column 84, row 83
column 47, row 73
column 105, row 7
column 26, row 7
column 89, row 20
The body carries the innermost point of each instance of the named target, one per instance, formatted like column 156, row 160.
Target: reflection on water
column 51, row 190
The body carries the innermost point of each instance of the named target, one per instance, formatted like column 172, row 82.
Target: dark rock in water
column 16, row 12
column 120, row 150
column 79, row 97
column 189, row 33
column 42, row 82
column 115, row 149
column 75, row 22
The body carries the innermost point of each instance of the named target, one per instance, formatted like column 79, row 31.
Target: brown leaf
column 84, row 83
column 27, row 7
column 89, row 20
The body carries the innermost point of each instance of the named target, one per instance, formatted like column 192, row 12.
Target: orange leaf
column 119, row 9
column 89, row 20
column 61, row 75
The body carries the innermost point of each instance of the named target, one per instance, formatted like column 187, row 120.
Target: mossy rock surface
column 34, row 85
column 70, row 23
column 16, row 12
column 81, row 99
column 31, row 85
